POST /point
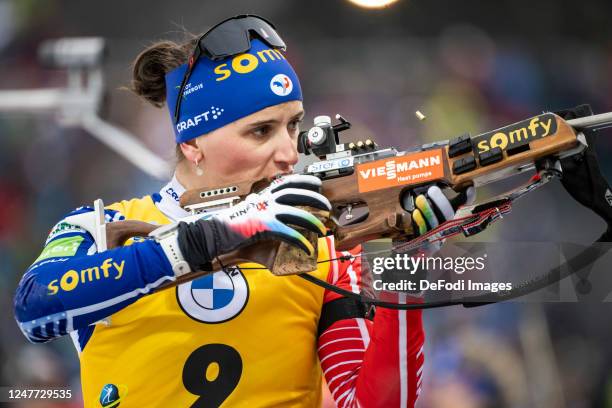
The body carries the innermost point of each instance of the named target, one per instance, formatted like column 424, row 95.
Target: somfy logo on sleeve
column 214, row 298
column 281, row 85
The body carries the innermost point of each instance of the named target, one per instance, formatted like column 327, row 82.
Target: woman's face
column 263, row 144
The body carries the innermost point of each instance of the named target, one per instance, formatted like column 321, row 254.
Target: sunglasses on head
column 230, row 37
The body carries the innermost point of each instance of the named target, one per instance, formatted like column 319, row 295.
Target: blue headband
column 221, row 92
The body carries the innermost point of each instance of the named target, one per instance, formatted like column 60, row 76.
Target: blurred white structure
column 78, row 104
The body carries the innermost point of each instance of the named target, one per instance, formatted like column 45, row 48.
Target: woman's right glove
column 262, row 216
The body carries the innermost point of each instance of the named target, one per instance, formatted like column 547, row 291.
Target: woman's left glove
column 433, row 207
column 429, row 208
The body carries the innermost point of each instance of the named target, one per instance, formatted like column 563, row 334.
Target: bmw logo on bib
column 214, row 298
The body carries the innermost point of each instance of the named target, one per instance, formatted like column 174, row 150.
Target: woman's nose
column 286, row 153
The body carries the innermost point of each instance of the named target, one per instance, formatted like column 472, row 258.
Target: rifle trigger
column 349, row 212
column 407, row 202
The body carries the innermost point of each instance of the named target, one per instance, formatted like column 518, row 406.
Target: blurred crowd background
column 468, row 66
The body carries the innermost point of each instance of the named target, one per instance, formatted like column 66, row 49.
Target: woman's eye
column 261, row 131
column 295, row 124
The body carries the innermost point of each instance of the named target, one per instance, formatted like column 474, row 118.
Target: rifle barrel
column 592, row 122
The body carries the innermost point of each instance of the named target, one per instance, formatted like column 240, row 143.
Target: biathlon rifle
column 371, row 189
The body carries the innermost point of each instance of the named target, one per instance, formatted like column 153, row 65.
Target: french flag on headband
column 220, row 92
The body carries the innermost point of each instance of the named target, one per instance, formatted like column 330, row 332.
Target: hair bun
column 151, row 66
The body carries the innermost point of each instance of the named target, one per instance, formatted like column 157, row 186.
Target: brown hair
column 151, row 66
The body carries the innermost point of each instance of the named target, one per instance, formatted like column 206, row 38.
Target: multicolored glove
column 433, row 205
column 429, row 207
column 262, row 216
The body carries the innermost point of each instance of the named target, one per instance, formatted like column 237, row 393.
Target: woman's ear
column 192, row 151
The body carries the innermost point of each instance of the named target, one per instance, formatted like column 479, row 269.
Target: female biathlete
column 237, row 337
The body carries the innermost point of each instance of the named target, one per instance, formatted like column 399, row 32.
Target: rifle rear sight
column 336, row 159
column 322, row 139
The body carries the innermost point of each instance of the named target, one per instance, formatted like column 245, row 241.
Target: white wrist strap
column 167, row 237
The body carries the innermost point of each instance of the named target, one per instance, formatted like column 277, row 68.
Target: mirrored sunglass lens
column 225, row 40
column 264, row 30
